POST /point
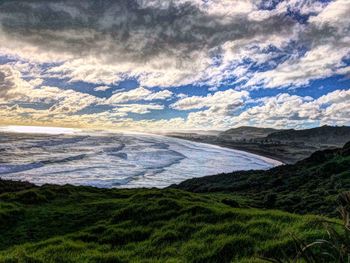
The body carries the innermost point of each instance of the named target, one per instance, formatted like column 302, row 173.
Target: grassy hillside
column 14, row 186
column 85, row 224
column 226, row 218
column 309, row 186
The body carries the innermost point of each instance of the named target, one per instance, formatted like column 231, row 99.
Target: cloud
column 173, row 43
column 14, row 89
column 131, row 95
column 102, row 88
column 137, row 108
column 138, row 94
column 315, row 64
column 243, row 44
column 280, row 111
column 147, row 29
column 164, row 43
column 9, row 83
column 161, row 95
column 221, row 100
column 214, row 109
column 285, row 110
column 337, row 96
column 36, row 82
column 61, row 105
column 326, row 36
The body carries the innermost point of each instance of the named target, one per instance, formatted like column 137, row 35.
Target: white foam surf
column 116, row 160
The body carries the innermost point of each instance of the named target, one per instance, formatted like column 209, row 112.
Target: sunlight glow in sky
column 38, row 130
column 175, row 64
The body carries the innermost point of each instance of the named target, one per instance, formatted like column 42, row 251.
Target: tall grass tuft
column 335, row 247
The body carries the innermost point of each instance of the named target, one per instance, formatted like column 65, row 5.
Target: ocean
column 116, row 159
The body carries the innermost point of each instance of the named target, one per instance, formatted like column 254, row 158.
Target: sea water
column 116, row 159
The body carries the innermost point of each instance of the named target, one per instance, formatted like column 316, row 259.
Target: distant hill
column 320, row 135
column 309, row 186
column 288, row 146
column 246, row 132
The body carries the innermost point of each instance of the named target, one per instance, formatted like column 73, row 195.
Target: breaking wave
column 116, row 160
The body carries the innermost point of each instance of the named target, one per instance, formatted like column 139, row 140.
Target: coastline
column 261, row 153
column 161, row 161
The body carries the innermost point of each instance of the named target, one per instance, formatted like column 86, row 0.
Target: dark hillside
column 321, row 135
column 13, row 186
column 309, row 186
column 288, row 146
column 246, row 133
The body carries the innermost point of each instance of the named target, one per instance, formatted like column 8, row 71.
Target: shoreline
column 260, row 153
column 221, row 160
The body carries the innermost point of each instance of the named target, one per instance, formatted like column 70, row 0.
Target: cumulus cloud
column 14, row 89
column 173, row 43
column 280, row 111
column 102, row 88
column 161, row 95
column 221, row 100
column 137, row 108
column 244, row 44
column 62, row 106
column 285, row 110
column 327, row 38
column 214, row 109
column 138, row 94
column 131, row 95
column 162, row 43
column 315, row 64
column 9, row 83
column 147, row 28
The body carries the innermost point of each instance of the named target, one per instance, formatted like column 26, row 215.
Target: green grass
column 309, row 186
column 226, row 218
column 85, row 224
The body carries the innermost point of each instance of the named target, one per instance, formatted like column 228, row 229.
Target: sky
column 161, row 65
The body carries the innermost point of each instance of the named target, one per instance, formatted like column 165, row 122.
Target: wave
column 55, row 142
column 116, row 160
column 7, row 169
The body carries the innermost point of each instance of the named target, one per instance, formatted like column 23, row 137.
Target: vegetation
column 309, row 186
column 226, row 218
column 334, row 248
column 85, row 224
column 14, row 186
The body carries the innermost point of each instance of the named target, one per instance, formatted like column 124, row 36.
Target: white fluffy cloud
column 133, row 40
column 221, row 100
column 59, row 104
column 292, row 111
column 168, row 44
column 206, row 44
column 281, row 111
column 102, row 88
column 327, row 34
column 131, row 95
column 14, row 89
column 138, row 94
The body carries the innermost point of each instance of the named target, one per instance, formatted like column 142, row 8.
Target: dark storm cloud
column 7, row 83
column 129, row 30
